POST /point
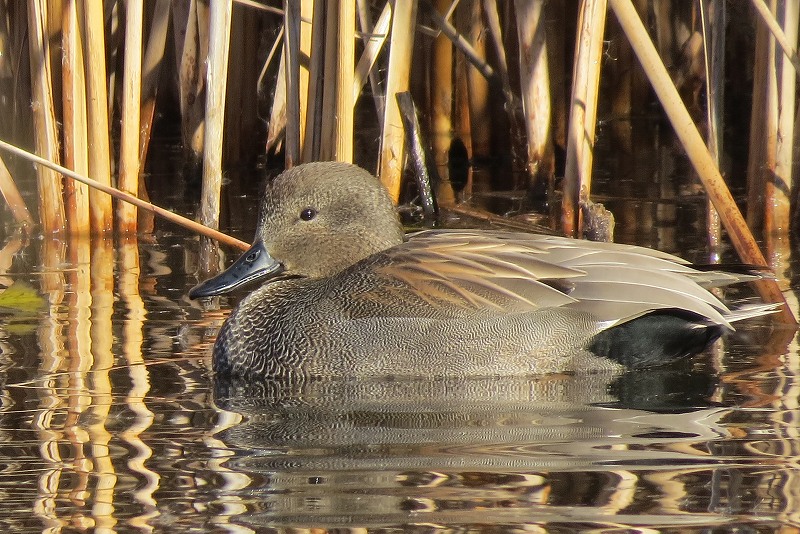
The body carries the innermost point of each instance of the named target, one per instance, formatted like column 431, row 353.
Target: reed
column 151, row 76
column 291, row 62
column 76, row 155
column 219, row 34
column 126, row 197
column 100, row 208
column 307, row 9
column 13, row 198
column 535, row 89
column 313, row 123
column 193, row 25
column 374, row 37
column 277, row 117
column 345, row 100
column 392, row 151
column 714, row 21
column 51, row 205
column 479, row 97
column 328, row 111
column 441, row 92
column 583, row 113
column 696, row 150
column 779, row 187
column 129, row 164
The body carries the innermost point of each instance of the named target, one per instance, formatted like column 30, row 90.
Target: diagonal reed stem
column 121, row 195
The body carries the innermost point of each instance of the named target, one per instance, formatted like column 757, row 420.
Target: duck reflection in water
column 344, row 293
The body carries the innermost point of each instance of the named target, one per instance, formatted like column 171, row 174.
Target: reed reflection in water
column 110, row 420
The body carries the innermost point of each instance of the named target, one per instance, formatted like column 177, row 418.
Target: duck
column 342, row 292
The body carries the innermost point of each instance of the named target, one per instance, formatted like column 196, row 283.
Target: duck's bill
column 255, row 264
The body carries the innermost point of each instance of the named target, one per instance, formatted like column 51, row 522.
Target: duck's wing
column 508, row 272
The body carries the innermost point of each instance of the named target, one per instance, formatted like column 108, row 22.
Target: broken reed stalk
column 418, row 155
column 129, row 163
column 51, row 206
column 100, row 206
column 217, row 73
column 392, row 155
column 535, row 89
column 277, row 114
column 126, row 197
column 583, row 113
column 291, row 63
column 696, row 150
column 73, row 92
column 345, row 101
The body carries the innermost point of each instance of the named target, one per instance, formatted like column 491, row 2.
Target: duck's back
column 467, row 303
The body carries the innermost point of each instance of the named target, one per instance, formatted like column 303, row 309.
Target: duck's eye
column 308, row 214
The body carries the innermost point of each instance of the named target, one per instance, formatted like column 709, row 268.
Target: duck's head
column 316, row 219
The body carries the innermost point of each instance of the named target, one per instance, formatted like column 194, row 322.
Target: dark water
column 111, row 420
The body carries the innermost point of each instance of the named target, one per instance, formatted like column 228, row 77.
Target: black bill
column 255, row 264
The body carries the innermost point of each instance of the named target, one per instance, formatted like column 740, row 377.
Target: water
column 111, row 420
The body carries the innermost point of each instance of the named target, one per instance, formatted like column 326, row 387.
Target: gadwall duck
column 345, row 293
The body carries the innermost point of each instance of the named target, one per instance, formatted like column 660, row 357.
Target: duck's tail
column 749, row 311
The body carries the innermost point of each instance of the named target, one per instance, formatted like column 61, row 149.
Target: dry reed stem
column 345, row 102
column 217, row 74
column 763, row 120
column 192, row 72
column 495, row 30
column 306, row 32
column 778, row 188
column 100, row 206
column 76, row 154
column 374, row 37
column 696, row 150
column 392, row 156
column 787, row 44
column 129, row 163
column 441, row 73
column 583, row 113
column 328, row 119
column 14, row 200
column 535, row 89
column 151, row 71
column 313, row 125
column 51, row 207
column 459, row 41
column 714, row 23
column 277, row 114
column 126, row 197
column 291, row 77
column 479, row 97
